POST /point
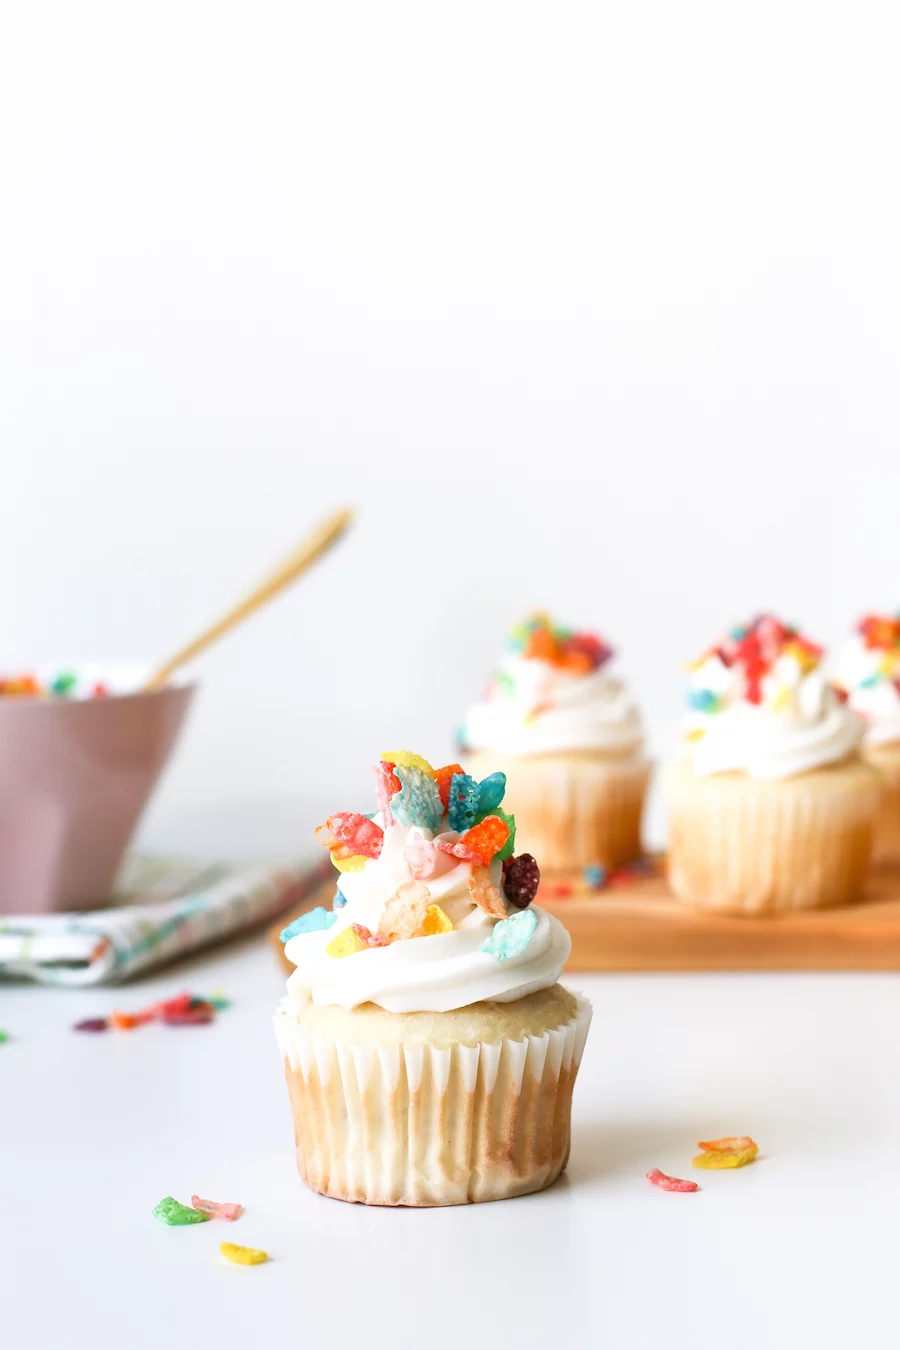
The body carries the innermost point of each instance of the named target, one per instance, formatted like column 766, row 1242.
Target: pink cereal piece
column 384, row 789
column 358, row 833
column 665, row 1183
column 369, row 938
column 457, row 849
column 217, row 1210
column 420, row 856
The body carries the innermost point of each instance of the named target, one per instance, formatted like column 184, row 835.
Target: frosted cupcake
column 566, row 732
column 429, row 1051
column 771, row 806
column 868, row 671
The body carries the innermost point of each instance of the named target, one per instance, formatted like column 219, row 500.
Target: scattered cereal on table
column 665, row 1183
column 216, row 1209
column 243, row 1256
column 177, row 1215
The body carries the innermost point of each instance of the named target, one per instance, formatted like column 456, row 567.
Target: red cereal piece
column 191, row 1017
column 369, row 938
column 171, row 1006
column 217, row 1210
column 486, row 838
column 443, row 777
column 100, row 690
column 393, row 781
column 362, row 836
column 665, row 1183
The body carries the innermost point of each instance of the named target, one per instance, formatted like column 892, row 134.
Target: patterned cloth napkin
column 165, row 907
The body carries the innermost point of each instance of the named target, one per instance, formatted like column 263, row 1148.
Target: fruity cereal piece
column 443, row 778
column 420, row 802
column 347, row 943
column 177, row 1215
column 404, row 913
column 732, row 1143
column 405, row 759
column 386, row 784
column 511, row 936
column 521, row 879
column 243, row 1256
column 715, row 1161
column 215, row 1210
column 510, row 821
column 485, row 894
column 490, row 793
column 486, row 838
column 353, row 862
column 463, row 802
column 365, row 935
column 358, row 833
column 435, row 922
column 420, row 857
column 665, row 1183
column 456, row 848
column 314, row 921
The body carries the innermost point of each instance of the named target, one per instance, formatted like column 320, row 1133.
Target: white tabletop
column 797, row 1250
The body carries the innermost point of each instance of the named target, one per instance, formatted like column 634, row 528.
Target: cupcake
column 565, row 731
column 771, row 806
column 869, row 673
column 429, row 1050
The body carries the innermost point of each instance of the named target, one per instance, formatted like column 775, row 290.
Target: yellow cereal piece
column 355, row 863
column 407, row 760
column 721, row 1160
column 805, row 659
column 696, row 734
column 243, row 1256
column 783, row 699
column 435, row 922
column 347, row 943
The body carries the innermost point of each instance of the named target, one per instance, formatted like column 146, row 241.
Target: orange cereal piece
column 730, row 1144
column 486, row 838
column 542, row 646
column 435, row 922
column 485, row 894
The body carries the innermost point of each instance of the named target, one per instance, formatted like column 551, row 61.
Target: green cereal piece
column 511, row 936
column 172, row 1212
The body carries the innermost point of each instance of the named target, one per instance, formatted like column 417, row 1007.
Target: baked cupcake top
column 433, row 911
column 868, row 671
column 553, row 692
column 759, row 703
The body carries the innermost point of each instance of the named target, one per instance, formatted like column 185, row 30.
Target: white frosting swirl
column 533, row 708
column 424, row 974
column 869, row 674
column 801, row 723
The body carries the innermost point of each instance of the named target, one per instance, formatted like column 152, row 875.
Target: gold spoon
column 303, row 557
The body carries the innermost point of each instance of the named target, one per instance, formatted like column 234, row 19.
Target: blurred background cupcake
column 868, row 671
column 565, row 731
column 770, row 805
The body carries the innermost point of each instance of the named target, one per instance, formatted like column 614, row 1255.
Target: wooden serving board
column 637, row 925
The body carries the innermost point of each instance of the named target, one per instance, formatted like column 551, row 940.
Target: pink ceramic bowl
column 75, row 776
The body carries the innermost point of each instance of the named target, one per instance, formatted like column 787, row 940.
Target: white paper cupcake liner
column 429, row 1125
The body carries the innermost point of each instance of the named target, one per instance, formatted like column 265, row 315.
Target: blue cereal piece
column 595, row 876
column 419, row 801
column 490, row 793
column 703, row 701
column 340, row 899
column 463, row 807
column 311, row 922
column 511, row 936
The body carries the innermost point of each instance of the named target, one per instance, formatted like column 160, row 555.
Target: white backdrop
column 591, row 306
